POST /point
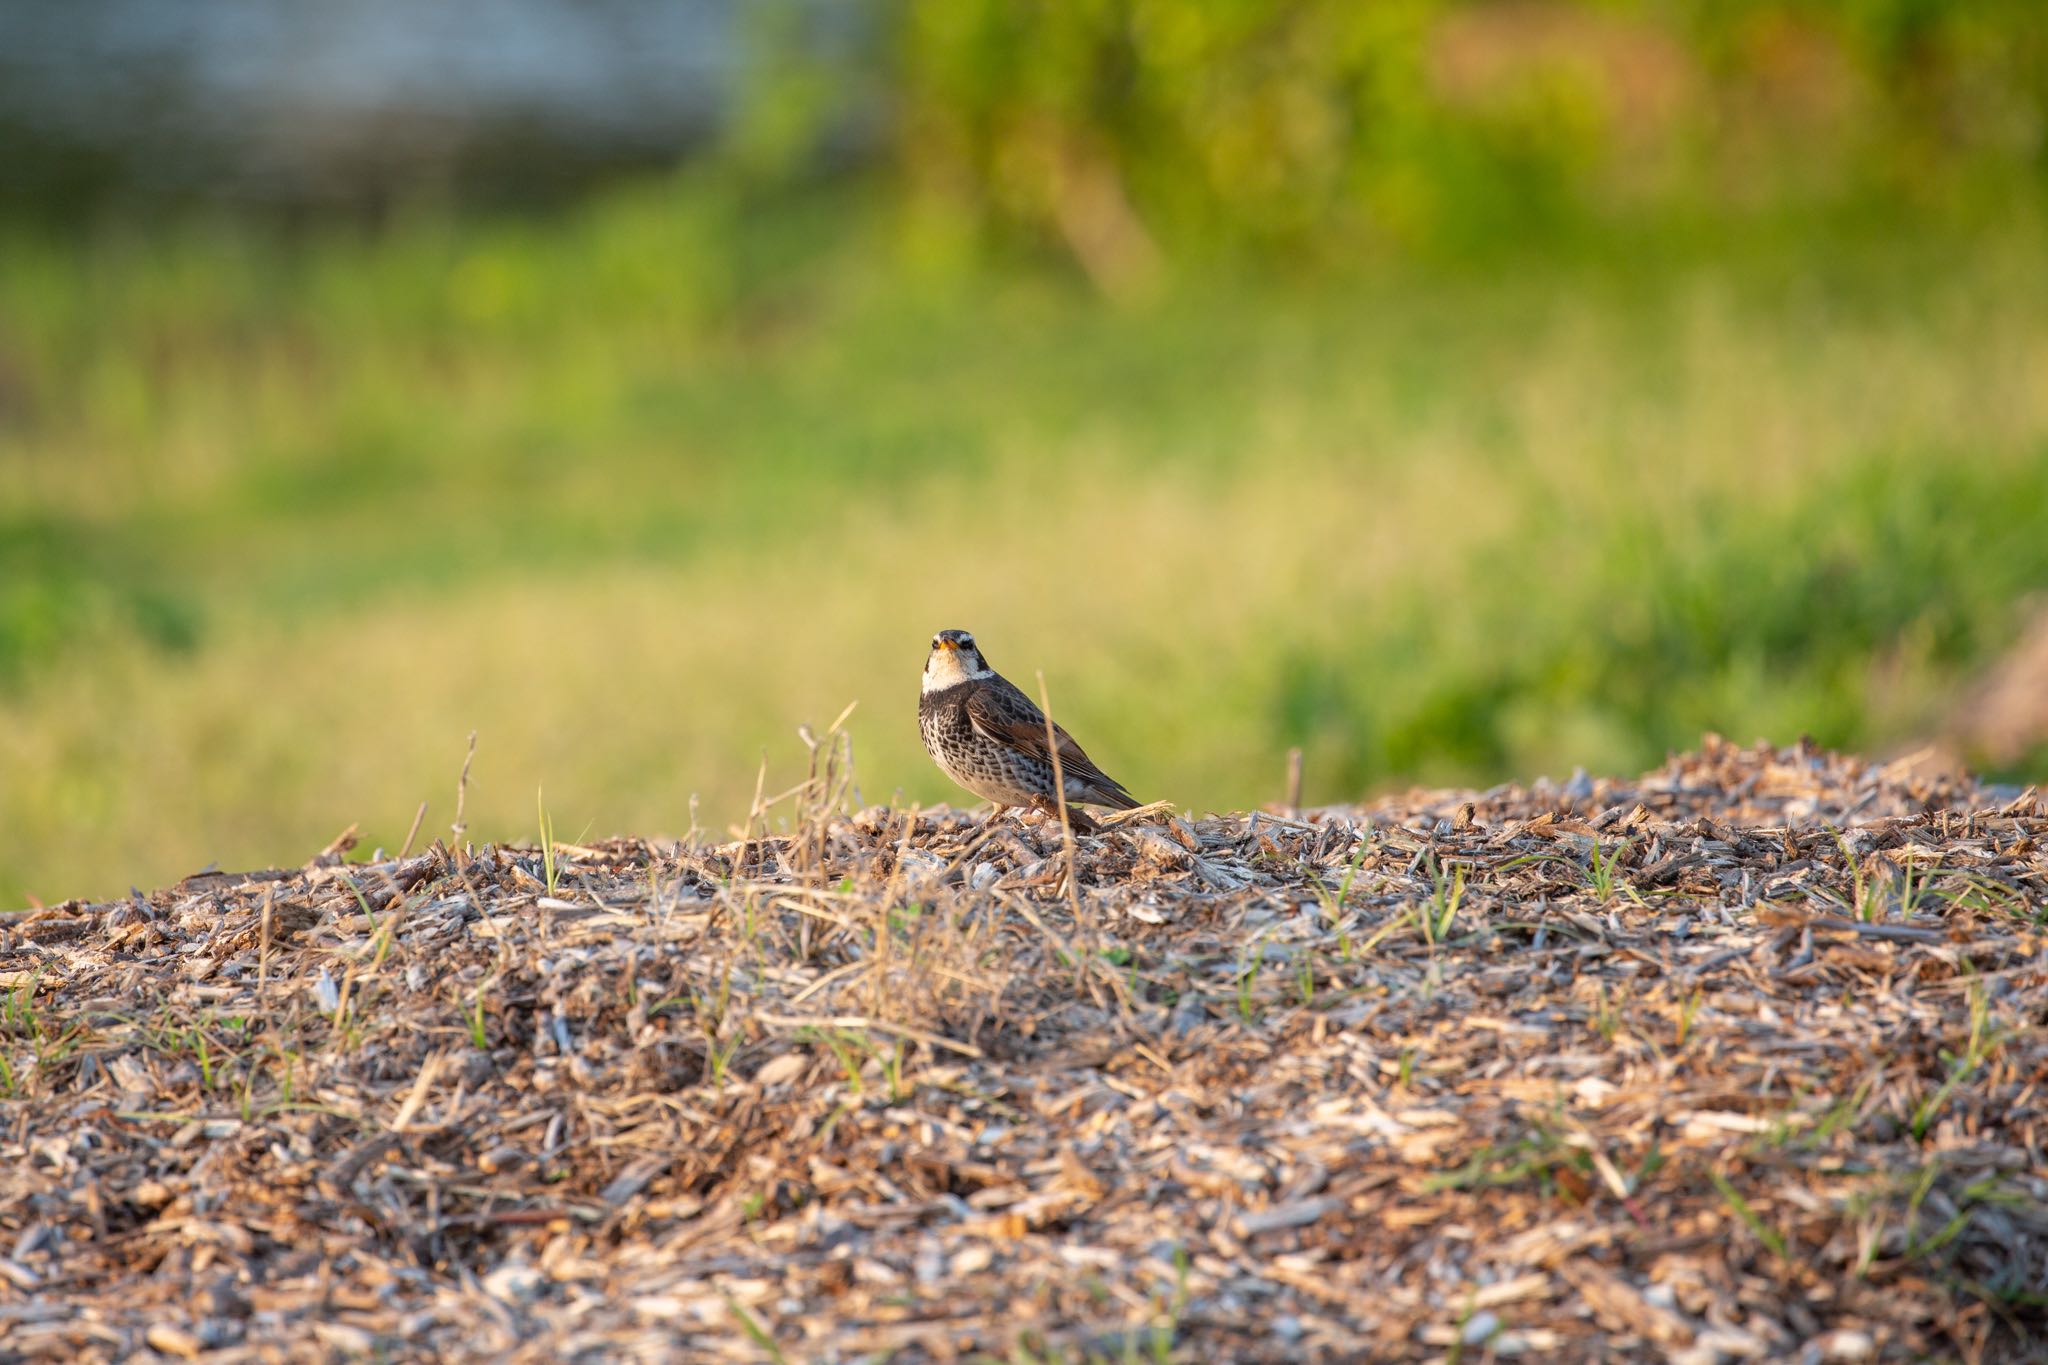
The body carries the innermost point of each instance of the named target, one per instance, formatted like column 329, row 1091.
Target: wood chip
column 1738, row 1058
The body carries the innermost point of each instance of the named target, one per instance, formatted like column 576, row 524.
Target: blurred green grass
column 634, row 490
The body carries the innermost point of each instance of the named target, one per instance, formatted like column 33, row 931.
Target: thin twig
column 458, row 828
column 412, row 833
column 1059, row 786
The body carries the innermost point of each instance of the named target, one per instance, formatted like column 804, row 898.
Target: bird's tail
column 1107, row 791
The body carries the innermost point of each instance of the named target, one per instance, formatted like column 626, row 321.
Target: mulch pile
column 1743, row 1059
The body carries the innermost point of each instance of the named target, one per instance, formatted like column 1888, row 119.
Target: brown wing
column 1006, row 715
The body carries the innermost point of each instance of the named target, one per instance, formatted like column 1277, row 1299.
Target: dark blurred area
column 1116, row 129
column 289, row 103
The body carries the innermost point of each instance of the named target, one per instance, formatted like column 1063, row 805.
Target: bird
column 991, row 738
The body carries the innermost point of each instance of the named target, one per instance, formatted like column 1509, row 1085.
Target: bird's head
column 954, row 659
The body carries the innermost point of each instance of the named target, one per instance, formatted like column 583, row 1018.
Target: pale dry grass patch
column 1351, row 504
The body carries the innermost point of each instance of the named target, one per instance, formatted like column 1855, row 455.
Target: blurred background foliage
column 1459, row 391
column 1296, row 131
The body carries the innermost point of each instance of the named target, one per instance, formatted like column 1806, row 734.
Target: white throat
column 946, row 668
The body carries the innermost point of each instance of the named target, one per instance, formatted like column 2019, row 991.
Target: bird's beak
column 948, row 644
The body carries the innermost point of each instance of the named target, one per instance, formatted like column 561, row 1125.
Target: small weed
column 712, row 1009
column 245, row 1102
column 363, row 905
column 20, row 1015
column 1247, row 973
column 1442, row 907
column 381, row 929
column 888, row 1058
column 547, row 838
column 1394, row 925
column 1960, row 1219
column 756, row 1333
column 892, row 1071
column 1914, row 890
column 718, row 1057
column 1981, row 1044
column 1839, row 1117
column 1652, row 1162
column 839, row 1043
column 1166, row 1327
column 1863, row 904
column 853, row 1049
column 287, row 1085
column 479, row 1037
column 1688, row 1009
column 1531, row 860
column 1765, row 1233
column 1457, row 1351
column 1870, row 1222
column 1921, row 1186
column 1606, row 1015
column 1537, row 1155
column 1601, row 867
column 205, row 1056
column 50, row 1051
column 1973, row 891
column 720, row 1043
column 1332, row 902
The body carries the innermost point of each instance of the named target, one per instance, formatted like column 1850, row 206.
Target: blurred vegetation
column 1132, row 132
column 1265, row 375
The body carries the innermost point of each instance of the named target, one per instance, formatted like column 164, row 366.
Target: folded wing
column 1007, row 716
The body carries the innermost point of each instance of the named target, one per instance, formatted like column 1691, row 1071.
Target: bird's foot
column 1076, row 817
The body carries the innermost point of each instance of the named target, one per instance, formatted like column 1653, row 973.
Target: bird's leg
column 1075, row 816
column 997, row 811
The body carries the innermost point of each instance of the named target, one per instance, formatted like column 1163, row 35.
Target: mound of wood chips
column 1744, row 1059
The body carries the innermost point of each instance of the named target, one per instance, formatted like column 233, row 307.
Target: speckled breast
column 990, row 770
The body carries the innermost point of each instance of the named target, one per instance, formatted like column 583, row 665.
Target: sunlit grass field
column 635, row 491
